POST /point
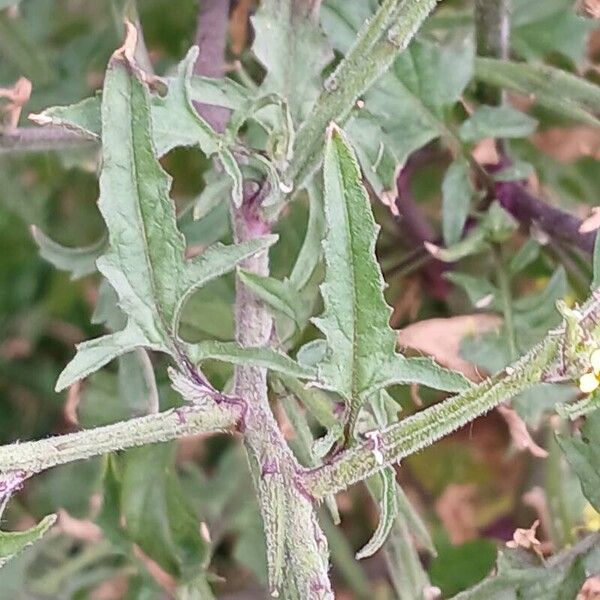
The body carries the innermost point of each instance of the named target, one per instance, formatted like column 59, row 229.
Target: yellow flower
column 590, row 381
column 591, row 518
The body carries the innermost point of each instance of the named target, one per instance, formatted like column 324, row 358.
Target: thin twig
column 529, row 210
column 42, row 139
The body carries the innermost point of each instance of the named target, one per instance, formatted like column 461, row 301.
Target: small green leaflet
column 261, row 356
column 361, row 357
column 496, row 122
column 145, row 264
column 12, row 543
column 457, row 192
column 79, row 262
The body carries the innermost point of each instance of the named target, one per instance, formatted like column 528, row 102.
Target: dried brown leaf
column 592, row 222
column 441, row 339
column 526, row 539
column 17, row 96
column 72, row 403
column 78, row 529
column 519, row 433
column 590, row 589
column 567, row 144
column 456, row 509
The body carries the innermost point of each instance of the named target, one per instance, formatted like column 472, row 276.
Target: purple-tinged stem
column 211, row 39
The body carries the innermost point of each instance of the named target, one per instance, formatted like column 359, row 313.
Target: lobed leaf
column 145, row 263
column 361, row 356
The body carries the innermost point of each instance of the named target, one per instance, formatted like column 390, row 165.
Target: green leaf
column 405, row 109
column 292, row 48
column 596, row 264
column 312, row 250
column 157, row 517
column 496, row 122
column 518, row 574
column 84, row 116
column 361, row 356
column 388, row 510
column 279, row 295
column 17, row 47
column 557, row 90
column 540, row 29
column 216, row 190
column 583, row 454
column 176, row 122
column 457, row 192
column 79, row 262
column 145, row 264
column 12, row 543
column 261, row 356
column 461, row 566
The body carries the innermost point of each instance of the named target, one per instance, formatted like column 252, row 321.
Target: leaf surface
column 145, row 263
column 361, row 356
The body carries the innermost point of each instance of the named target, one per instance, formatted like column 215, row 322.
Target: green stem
column 506, row 299
column 380, row 40
column 492, row 27
column 36, row 456
column 426, row 427
column 422, row 429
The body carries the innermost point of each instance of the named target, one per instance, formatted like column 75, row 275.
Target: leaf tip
column 40, row 118
column 127, row 50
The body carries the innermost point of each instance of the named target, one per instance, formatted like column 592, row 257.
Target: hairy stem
column 291, row 528
column 34, row 139
column 492, row 26
column 34, row 457
column 424, row 428
column 211, row 39
column 379, row 42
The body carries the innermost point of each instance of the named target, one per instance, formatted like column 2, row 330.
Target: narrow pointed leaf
column 558, row 90
column 457, row 192
column 94, row 354
column 12, row 543
column 312, row 249
column 388, row 509
column 263, row 356
column 145, row 263
column 361, row 356
column 79, row 262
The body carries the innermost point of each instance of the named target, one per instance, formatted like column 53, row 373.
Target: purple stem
column 211, row 39
column 528, row 210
